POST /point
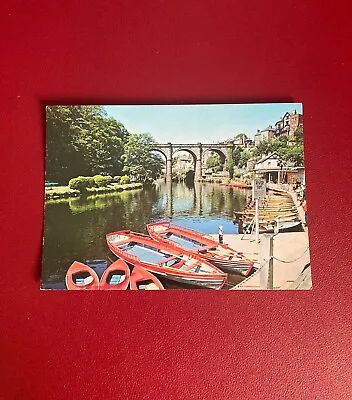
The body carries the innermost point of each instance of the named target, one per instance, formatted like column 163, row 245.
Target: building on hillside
column 280, row 128
column 268, row 133
column 273, row 169
column 287, row 125
column 239, row 140
column 257, row 138
column 248, row 143
column 296, row 120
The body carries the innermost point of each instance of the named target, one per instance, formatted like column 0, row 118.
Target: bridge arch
column 160, row 151
column 185, row 173
column 197, row 151
column 186, row 151
column 219, row 152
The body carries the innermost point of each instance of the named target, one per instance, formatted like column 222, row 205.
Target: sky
column 200, row 123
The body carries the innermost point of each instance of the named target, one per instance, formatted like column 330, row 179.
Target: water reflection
column 75, row 229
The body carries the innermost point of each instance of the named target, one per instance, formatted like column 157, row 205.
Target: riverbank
column 64, row 192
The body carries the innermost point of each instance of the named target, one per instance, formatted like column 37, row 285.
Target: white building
column 273, row 169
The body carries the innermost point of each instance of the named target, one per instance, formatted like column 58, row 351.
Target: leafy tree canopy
column 139, row 162
column 82, row 140
column 214, row 162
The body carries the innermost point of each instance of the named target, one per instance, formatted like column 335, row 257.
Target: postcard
column 162, row 197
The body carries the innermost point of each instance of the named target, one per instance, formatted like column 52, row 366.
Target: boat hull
column 284, row 227
column 141, row 279
column 117, row 269
column 81, row 277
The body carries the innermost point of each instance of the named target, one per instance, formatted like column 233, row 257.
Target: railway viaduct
column 197, row 151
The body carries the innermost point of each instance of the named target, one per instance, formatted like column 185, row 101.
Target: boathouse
column 273, row 169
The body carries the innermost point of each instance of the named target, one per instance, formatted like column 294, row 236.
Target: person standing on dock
column 221, row 234
column 240, row 225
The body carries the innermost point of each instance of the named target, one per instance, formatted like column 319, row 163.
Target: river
column 75, row 229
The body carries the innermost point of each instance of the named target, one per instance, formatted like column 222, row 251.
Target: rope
column 289, row 262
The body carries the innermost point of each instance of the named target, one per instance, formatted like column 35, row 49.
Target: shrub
column 116, row 179
column 125, row 180
column 236, row 174
column 102, row 181
column 81, row 183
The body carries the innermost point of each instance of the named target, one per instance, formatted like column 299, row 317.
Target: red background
column 183, row 344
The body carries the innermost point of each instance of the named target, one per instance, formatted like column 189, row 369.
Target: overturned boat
column 220, row 255
column 165, row 260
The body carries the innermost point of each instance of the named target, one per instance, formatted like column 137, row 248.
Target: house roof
column 268, row 128
column 271, row 155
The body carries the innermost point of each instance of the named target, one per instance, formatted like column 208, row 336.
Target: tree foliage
column 214, row 162
column 230, row 167
column 289, row 150
column 82, row 140
column 241, row 156
column 139, row 162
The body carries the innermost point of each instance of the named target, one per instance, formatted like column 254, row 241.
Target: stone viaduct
column 197, row 150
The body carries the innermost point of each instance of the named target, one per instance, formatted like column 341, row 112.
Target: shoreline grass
column 64, row 192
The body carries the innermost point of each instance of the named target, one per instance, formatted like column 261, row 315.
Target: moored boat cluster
column 170, row 252
column 277, row 212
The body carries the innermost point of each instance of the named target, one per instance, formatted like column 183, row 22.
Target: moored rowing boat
column 220, row 255
column 288, row 226
column 141, row 279
column 81, row 277
column 115, row 277
column 165, row 260
column 238, row 185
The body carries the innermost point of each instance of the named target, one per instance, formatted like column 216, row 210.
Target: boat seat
column 85, row 281
column 115, row 279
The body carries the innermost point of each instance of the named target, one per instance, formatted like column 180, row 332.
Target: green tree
column 82, row 140
column 214, row 162
column 246, row 154
column 230, row 163
column 263, row 148
column 299, row 135
column 236, row 154
column 139, row 162
column 295, row 154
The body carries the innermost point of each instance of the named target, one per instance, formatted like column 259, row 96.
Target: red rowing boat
column 165, row 260
column 141, row 279
column 220, row 255
column 238, row 185
column 81, row 277
column 115, row 277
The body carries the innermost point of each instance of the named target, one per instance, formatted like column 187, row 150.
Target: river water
column 75, row 229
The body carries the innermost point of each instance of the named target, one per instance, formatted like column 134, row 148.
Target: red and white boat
column 81, row 277
column 141, row 279
column 115, row 277
column 165, row 260
column 220, row 255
